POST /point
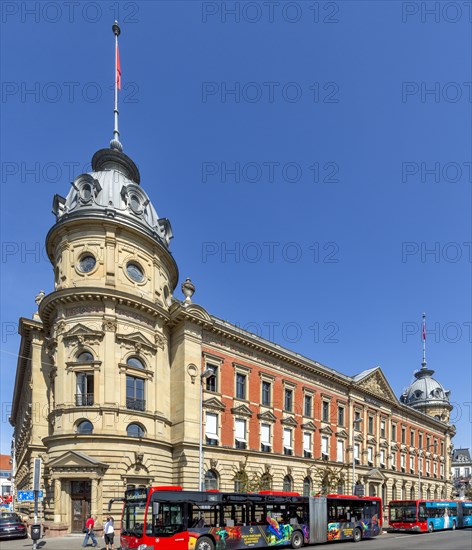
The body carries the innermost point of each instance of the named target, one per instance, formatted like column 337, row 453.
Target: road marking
column 424, row 534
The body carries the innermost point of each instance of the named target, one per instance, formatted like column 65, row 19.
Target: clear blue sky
column 335, row 107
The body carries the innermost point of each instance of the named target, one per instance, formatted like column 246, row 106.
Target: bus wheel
column 453, row 525
column 357, row 535
column 204, row 543
column 297, row 540
column 430, row 527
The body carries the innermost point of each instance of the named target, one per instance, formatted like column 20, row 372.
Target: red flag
column 118, row 68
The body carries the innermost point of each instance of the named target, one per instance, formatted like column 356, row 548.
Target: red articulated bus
column 169, row 518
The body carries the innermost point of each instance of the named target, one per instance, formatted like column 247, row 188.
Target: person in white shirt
column 109, row 533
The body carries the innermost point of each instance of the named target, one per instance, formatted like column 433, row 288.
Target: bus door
column 168, row 526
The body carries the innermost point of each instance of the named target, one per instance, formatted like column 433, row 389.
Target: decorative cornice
column 242, row 410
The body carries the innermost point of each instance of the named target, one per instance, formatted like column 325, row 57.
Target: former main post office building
column 109, row 380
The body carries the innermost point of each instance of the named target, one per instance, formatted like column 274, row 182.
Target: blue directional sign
column 25, row 496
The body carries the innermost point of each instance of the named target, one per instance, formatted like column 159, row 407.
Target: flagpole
column 423, row 334
column 115, row 142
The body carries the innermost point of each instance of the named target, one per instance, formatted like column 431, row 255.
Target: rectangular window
column 135, row 393
column 420, row 465
column 357, row 452
column 412, row 463
column 403, row 461
column 457, row 472
column 325, row 411
column 382, row 429
column 84, row 389
column 412, row 438
column 435, row 468
column 357, row 415
column 212, row 381
column 307, row 445
column 211, row 429
column 394, row 432
column 265, row 438
column 370, row 455
column 466, row 472
column 394, row 459
column 427, row 466
column 288, row 401
column 240, row 386
column 420, row 441
column 442, row 470
column 428, row 442
column 382, row 457
column 288, row 450
column 308, row 406
column 340, row 450
column 404, row 436
column 442, row 448
column 324, row 447
column 340, row 416
column 266, row 387
column 370, row 425
column 240, row 433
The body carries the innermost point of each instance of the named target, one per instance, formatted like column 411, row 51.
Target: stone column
column 94, row 495
column 57, row 501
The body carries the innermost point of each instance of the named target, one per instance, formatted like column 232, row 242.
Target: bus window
column 235, row 514
column 167, row 519
column 203, row 516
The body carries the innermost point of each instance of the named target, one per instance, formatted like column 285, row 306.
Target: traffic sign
column 28, row 496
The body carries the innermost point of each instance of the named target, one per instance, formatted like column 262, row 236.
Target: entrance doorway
column 80, row 493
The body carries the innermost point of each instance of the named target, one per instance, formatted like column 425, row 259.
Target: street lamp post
column 205, row 374
column 355, row 422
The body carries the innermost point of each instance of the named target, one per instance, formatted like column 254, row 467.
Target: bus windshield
column 403, row 512
column 133, row 518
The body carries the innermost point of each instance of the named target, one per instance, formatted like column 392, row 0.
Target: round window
column 135, row 203
column 87, row 263
column 86, row 192
column 135, row 272
column 135, row 362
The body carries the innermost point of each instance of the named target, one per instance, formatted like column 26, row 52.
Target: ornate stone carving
column 213, row 463
column 109, row 325
column 160, row 340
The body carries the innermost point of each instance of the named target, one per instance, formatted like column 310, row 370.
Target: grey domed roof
column 425, row 390
column 112, row 191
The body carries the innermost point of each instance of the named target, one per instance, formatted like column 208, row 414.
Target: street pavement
column 441, row 540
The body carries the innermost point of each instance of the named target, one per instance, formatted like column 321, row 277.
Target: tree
column 247, row 482
column 329, row 478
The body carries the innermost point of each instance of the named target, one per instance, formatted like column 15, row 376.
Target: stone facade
column 108, row 383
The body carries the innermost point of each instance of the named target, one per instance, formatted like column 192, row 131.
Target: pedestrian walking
column 89, row 525
column 109, row 533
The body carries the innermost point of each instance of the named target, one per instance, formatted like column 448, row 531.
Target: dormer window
column 135, row 204
column 418, row 394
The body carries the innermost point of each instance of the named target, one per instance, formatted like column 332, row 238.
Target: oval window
column 135, row 272
column 87, row 263
column 135, row 203
column 86, row 192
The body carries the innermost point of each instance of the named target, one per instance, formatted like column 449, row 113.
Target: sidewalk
column 69, row 542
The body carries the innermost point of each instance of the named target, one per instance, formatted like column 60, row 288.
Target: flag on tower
column 118, row 67
column 424, row 328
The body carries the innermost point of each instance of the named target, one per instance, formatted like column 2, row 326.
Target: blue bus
column 422, row 516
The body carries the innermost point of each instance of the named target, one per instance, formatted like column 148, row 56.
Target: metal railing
column 83, row 399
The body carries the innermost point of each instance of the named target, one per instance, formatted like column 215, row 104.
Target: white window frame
column 211, row 418
column 325, row 446
column 370, row 454
column 240, row 430
column 382, row 457
column 266, row 428
column 357, row 451
column 339, row 450
column 307, row 442
column 288, row 439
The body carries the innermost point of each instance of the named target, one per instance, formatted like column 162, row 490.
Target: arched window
column 211, row 480
column 436, row 494
column 288, row 484
column 85, row 427
column 135, row 430
column 384, row 494
column 84, row 357
column 412, row 493
column 307, row 487
column 394, row 492
column 266, row 482
column 340, row 488
column 135, row 362
column 428, row 494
